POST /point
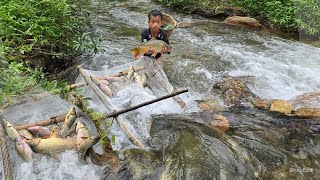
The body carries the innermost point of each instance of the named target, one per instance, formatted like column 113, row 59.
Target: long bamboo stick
column 146, row 103
column 97, row 91
column 81, row 84
column 46, row 122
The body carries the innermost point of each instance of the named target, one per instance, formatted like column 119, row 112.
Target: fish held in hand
column 156, row 46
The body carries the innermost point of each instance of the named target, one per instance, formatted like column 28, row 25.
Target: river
column 278, row 67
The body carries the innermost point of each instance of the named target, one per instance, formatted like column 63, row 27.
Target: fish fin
column 136, row 52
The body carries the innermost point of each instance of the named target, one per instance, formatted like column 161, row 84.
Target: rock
column 261, row 103
column 209, row 105
column 233, row 91
column 220, row 123
column 308, row 112
column 281, row 106
column 307, row 100
column 184, row 24
column 242, row 21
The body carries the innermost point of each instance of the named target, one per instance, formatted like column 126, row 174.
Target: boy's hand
column 165, row 50
column 151, row 51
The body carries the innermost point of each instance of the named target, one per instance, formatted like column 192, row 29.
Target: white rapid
column 279, row 68
column 202, row 54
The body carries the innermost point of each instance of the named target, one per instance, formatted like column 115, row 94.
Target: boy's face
column 155, row 23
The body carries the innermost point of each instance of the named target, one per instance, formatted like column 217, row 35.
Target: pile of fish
column 105, row 86
column 140, row 79
column 73, row 134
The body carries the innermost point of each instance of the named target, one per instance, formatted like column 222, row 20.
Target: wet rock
column 234, row 92
column 219, row 123
column 261, row 103
column 209, row 105
column 307, row 100
column 281, row 106
column 242, row 21
column 308, row 112
column 185, row 25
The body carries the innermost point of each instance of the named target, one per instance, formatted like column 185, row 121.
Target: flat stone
column 281, row 106
column 308, row 112
column 260, row 103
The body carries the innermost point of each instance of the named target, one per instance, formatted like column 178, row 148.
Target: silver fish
column 40, row 131
column 86, row 144
column 82, row 132
column 26, row 134
column 144, row 80
column 11, row 131
column 103, row 87
column 68, row 122
column 24, row 149
column 130, row 73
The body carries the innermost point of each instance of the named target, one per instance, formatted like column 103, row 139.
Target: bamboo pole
column 121, row 73
column 46, row 122
column 109, row 106
column 146, row 103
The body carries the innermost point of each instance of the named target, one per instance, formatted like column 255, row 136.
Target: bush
column 43, row 28
column 289, row 14
column 307, row 13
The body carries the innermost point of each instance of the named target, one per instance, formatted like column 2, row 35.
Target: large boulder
column 307, row 100
column 242, row 21
column 233, row 91
column 308, row 112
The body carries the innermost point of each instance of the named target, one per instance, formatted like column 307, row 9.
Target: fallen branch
column 46, row 122
column 81, row 84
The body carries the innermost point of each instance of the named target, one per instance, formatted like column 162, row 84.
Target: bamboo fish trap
column 169, row 23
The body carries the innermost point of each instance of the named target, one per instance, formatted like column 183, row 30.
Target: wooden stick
column 46, row 122
column 146, row 103
column 81, row 84
column 109, row 106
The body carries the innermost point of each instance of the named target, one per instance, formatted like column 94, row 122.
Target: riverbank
column 288, row 17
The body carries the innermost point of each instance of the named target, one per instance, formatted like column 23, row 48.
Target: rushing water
column 256, row 146
column 202, row 55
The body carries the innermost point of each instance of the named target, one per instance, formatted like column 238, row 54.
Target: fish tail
column 136, row 52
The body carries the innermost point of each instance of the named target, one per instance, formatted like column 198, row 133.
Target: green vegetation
column 16, row 79
column 288, row 14
column 37, row 35
column 43, row 28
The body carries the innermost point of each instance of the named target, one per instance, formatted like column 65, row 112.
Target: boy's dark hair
column 154, row 13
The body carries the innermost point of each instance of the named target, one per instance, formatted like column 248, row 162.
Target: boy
column 154, row 32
